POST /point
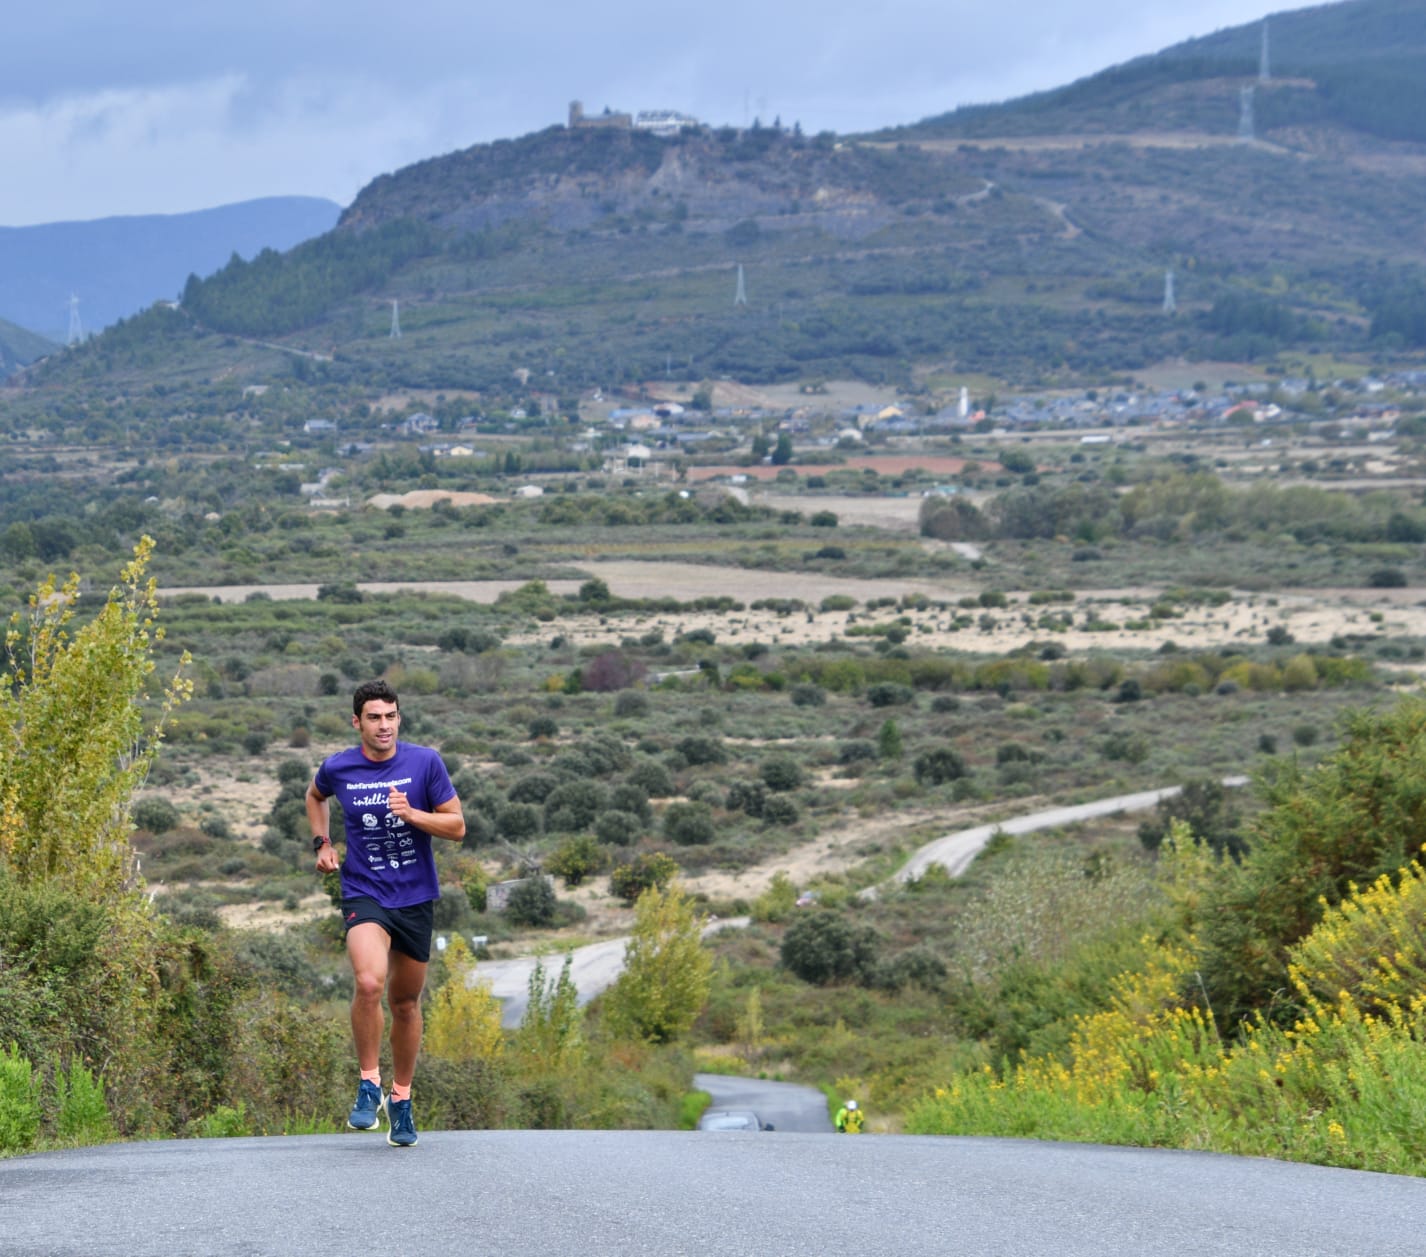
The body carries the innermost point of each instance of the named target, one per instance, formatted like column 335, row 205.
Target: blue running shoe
column 402, row 1130
column 366, row 1112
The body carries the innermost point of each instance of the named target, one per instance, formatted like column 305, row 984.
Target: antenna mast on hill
column 1264, row 67
column 1170, row 304
column 395, row 320
column 1245, row 115
column 76, row 329
column 740, row 297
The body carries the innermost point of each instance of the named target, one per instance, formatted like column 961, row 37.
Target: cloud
column 149, row 107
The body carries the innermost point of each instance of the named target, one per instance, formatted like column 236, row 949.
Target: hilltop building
column 656, row 121
column 578, row 118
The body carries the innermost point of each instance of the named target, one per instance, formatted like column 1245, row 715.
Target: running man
column 395, row 797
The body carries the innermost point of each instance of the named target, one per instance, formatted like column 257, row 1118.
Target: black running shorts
column 408, row 928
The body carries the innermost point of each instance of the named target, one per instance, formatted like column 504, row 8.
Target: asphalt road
column 665, row 1194
column 785, row 1105
column 956, row 851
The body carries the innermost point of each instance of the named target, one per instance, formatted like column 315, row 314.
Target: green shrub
column 888, row 695
column 532, row 903
column 808, row 695
column 780, row 810
column 700, row 749
column 825, row 947
column 631, row 798
column 19, row 1102
column 778, row 902
column 938, row 766
column 81, row 1114
column 653, row 778
column 689, row 824
column 643, row 872
column 156, row 815
column 575, row 859
column 631, row 703
column 618, row 828
column 514, row 821
column 781, row 772
column 747, row 796
column 532, row 788
column 573, row 806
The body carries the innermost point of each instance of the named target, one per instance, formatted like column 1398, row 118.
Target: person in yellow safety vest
column 849, row 1119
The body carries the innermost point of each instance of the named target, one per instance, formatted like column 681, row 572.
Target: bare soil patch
column 882, row 464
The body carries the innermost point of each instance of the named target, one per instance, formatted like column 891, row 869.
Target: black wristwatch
column 318, row 842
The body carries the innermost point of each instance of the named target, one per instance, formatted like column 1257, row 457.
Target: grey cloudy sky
column 159, row 107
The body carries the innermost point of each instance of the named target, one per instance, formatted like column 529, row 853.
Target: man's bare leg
column 408, row 977
column 369, row 949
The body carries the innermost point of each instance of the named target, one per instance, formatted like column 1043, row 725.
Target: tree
column 667, row 970
column 550, row 1040
column 1345, row 822
column 75, row 740
column 463, row 1018
column 782, row 451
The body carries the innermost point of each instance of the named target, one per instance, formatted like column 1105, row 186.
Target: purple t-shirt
column 387, row 859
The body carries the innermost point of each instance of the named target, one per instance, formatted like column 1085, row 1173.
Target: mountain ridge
column 604, row 257
column 118, row 265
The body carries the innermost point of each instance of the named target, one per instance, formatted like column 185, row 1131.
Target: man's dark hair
column 369, row 690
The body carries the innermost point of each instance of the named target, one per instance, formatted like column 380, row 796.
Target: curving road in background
column 597, row 965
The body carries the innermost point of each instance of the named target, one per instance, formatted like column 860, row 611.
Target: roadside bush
column 778, row 902
column 19, row 1102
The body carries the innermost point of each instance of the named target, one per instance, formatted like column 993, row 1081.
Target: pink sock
column 372, row 1076
column 398, row 1092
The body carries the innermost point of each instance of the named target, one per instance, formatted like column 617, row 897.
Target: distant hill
column 1358, row 67
column 19, row 347
column 1027, row 243
column 117, row 266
